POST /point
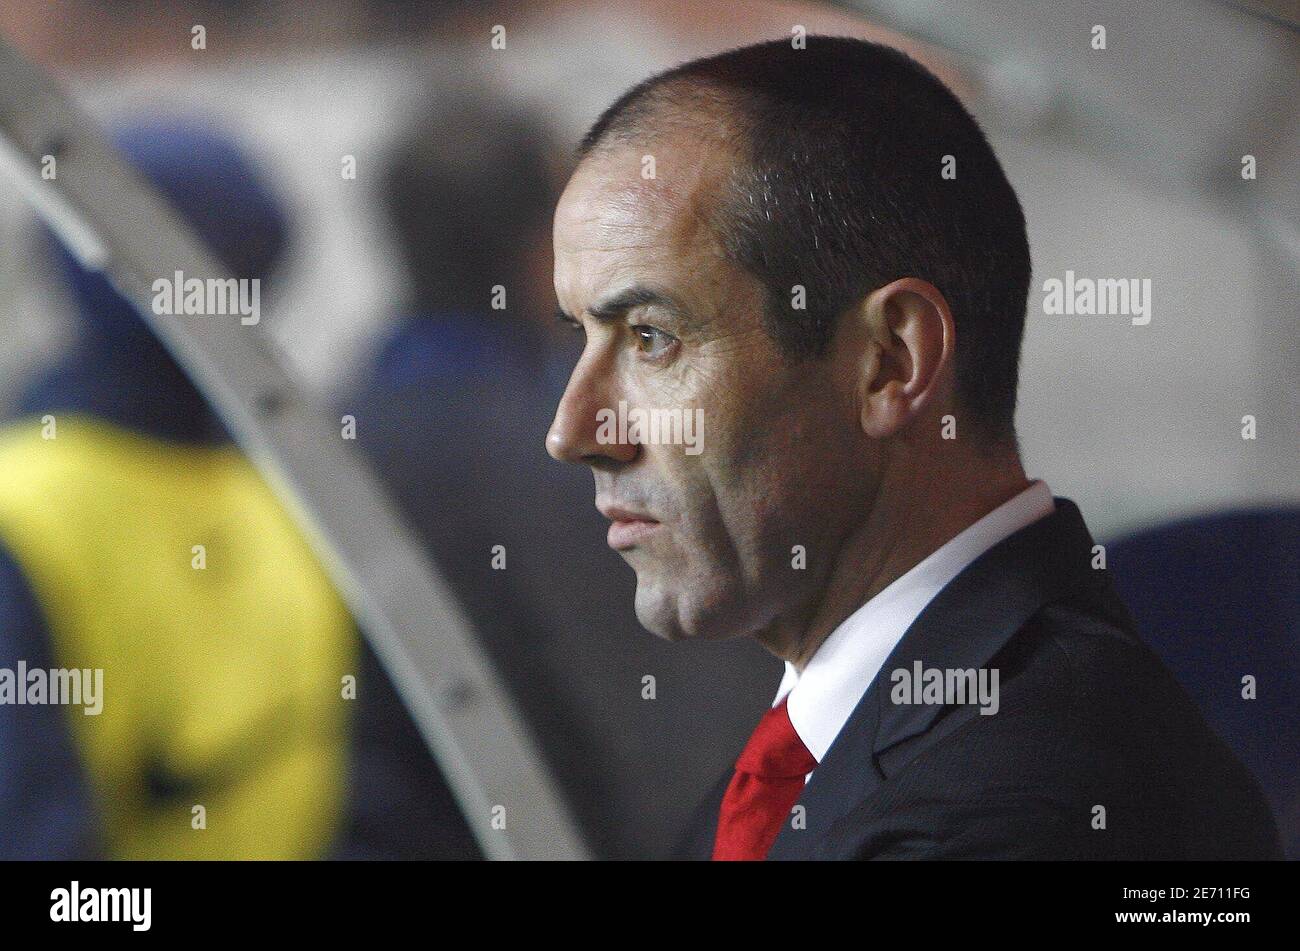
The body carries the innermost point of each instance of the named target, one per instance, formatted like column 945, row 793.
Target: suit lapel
column 697, row 843
column 965, row 626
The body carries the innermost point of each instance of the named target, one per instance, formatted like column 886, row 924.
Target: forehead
column 614, row 224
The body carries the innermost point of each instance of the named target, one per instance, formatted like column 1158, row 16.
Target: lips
column 628, row 527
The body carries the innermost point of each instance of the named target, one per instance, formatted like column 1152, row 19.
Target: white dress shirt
column 839, row 673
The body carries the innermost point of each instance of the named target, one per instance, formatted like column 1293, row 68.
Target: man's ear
column 907, row 359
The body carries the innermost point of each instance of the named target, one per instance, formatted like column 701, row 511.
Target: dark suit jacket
column 1089, row 720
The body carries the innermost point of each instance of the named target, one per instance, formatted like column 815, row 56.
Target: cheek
column 798, row 476
column 770, row 451
column 784, row 507
column 757, row 488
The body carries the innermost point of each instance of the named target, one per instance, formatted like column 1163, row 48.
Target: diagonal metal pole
column 114, row 222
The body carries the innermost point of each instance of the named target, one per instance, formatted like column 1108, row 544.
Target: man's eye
column 652, row 341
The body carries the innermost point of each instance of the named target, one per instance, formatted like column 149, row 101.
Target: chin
column 677, row 616
column 657, row 616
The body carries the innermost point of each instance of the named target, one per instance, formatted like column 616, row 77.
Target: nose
column 576, row 433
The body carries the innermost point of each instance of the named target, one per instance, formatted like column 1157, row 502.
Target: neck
column 914, row 512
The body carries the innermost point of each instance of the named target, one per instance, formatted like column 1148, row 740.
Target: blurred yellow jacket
column 226, row 652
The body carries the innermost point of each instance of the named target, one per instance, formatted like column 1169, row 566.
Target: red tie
column 767, row 783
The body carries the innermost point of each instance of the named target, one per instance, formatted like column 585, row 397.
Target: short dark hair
column 469, row 188
column 838, row 188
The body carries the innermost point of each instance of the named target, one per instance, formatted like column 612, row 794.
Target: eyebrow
column 619, row 303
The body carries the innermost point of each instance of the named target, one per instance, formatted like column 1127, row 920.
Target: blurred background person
column 136, row 538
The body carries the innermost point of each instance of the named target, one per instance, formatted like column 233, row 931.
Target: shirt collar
column 821, row 699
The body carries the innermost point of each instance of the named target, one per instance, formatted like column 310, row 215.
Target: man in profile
column 767, row 236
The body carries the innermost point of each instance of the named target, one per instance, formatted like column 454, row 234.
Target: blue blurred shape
column 1216, row 598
